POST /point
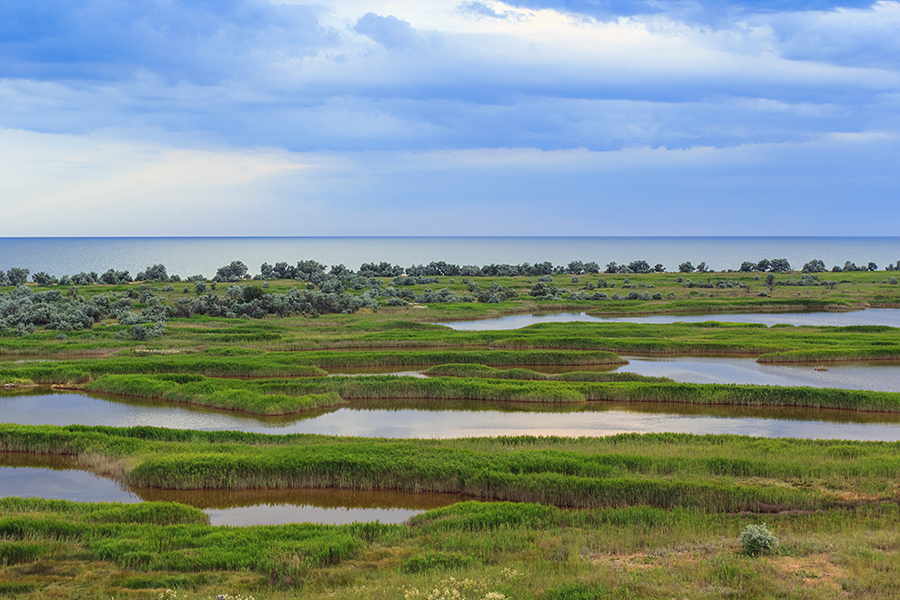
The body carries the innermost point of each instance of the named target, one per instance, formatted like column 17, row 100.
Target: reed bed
column 87, row 369
column 283, row 396
column 826, row 355
column 715, row 473
column 202, row 391
column 437, row 357
column 485, row 372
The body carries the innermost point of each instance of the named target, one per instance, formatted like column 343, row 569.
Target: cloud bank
column 446, row 117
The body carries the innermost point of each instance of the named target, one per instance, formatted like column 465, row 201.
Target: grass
column 639, row 516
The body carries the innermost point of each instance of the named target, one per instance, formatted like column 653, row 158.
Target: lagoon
column 58, row 478
column 449, row 419
column 872, row 316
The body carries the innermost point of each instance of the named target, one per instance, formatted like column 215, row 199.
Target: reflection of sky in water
column 883, row 377
column 590, row 420
column 276, row 514
column 56, row 484
column 872, row 316
column 82, row 486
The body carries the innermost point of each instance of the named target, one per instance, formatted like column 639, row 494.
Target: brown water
column 56, row 477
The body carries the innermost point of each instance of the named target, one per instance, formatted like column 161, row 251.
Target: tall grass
column 716, row 473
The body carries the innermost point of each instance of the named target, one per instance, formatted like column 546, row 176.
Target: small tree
column 780, row 265
column 686, row 267
column 44, row 279
column 17, row 276
column 814, row 266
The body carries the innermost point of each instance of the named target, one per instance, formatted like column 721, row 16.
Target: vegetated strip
column 282, row 396
column 438, row 357
column 165, row 536
column 816, row 356
column 483, row 371
column 212, row 366
column 215, row 393
column 716, row 473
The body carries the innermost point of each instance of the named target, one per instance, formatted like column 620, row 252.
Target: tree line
column 311, row 270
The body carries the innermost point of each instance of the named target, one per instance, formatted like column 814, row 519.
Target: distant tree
column 17, row 276
column 747, row 266
column 43, row 279
column 113, row 277
column 154, row 273
column 659, row 268
column 340, row 271
column 763, row 265
column 266, row 272
column 872, row 267
column 310, row 266
column 639, row 266
column 686, row 267
column 612, row 267
column 591, row 267
column 233, row 272
column 814, row 266
column 779, row 265
column 576, row 267
column 770, row 281
column 702, row 268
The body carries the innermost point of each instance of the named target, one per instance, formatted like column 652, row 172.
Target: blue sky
column 471, row 117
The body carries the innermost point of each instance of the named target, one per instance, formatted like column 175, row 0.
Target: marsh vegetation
column 641, row 516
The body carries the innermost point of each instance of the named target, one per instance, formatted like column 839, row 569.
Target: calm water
column 422, row 419
column 27, row 475
column 878, row 376
column 872, row 316
column 190, row 256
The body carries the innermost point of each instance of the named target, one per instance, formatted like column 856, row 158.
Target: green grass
column 637, row 516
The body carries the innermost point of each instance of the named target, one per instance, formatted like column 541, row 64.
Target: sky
column 456, row 117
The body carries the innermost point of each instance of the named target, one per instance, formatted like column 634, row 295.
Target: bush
column 756, row 540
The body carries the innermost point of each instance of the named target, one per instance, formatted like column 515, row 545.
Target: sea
column 186, row 256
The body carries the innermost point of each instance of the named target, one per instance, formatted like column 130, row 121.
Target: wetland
column 330, row 438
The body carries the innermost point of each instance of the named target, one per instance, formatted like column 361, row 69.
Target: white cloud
column 96, row 184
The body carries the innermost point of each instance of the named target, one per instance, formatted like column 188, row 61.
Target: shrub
column 756, row 540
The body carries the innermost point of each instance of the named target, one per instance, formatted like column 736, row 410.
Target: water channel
column 872, row 316
column 55, row 477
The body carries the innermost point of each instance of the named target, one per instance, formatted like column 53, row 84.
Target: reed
column 716, row 473
column 824, row 355
column 485, row 372
column 212, row 366
column 214, row 393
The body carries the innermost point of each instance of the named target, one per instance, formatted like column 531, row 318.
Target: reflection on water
column 872, row 316
column 883, row 376
column 54, row 477
column 430, row 419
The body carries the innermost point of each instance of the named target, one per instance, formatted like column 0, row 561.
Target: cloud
column 481, row 104
column 91, row 184
column 389, row 31
column 115, row 39
column 110, row 185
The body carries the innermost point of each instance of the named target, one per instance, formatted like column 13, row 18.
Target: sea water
column 186, row 256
